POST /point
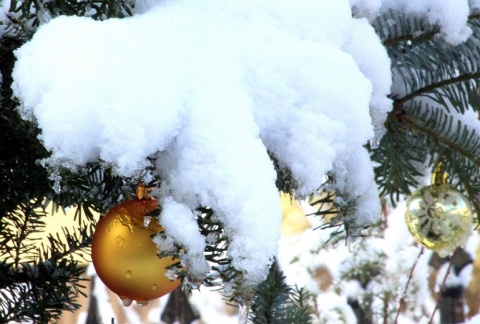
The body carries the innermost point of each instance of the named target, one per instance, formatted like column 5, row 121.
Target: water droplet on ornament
column 113, row 223
column 126, row 221
column 128, row 274
column 142, row 303
column 146, row 221
column 170, row 274
column 121, row 241
column 154, row 287
column 127, row 302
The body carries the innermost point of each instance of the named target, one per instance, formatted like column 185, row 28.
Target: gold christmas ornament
column 124, row 256
column 438, row 216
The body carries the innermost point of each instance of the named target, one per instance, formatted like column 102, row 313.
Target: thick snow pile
column 208, row 88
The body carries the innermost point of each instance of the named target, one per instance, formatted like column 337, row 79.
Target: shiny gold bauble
column 439, row 217
column 125, row 257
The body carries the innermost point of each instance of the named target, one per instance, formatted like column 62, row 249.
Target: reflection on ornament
column 124, row 256
column 439, row 217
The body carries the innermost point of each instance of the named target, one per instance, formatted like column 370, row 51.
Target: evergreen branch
column 38, row 292
column 398, row 29
column 467, row 176
column 24, row 17
column 442, row 138
column 276, row 302
column 285, row 181
column 399, row 102
column 412, row 39
column 216, row 252
column 475, row 16
column 75, row 243
column 324, row 202
column 397, row 159
column 413, row 30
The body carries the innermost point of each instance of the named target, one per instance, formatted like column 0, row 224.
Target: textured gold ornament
column 124, row 256
column 438, row 216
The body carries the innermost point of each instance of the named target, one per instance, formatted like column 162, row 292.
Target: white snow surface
column 174, row 214
column 208, row 88
column 355, row 178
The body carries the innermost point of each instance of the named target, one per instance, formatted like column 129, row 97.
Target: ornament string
column 410, row 276
column 442, row 287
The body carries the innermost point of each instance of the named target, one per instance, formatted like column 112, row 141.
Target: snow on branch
column 211, row 88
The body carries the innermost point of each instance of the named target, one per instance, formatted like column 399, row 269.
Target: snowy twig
column 408, row 283
column 442, row 287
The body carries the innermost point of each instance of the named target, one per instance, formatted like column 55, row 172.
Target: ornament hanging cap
column 439, row 176
column 142, row 192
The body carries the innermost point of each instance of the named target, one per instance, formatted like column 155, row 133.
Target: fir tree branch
column 397, row 29
column 399, row 102
column 75, row 244
column 411, row 39
column 415, row 125
column 276, row 302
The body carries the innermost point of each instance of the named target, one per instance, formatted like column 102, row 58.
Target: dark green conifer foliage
column 275, row 302
column 435, row 81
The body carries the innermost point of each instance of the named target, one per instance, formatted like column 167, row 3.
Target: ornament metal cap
column 143, row 192
column 439, row 176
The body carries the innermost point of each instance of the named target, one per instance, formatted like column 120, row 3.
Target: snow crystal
column 210, row 89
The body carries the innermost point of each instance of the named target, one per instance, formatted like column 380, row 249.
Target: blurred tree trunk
column 451, row 300
column 178, row 308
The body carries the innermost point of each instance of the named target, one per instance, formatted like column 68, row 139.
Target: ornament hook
column 143, row 192
column 439, row 176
